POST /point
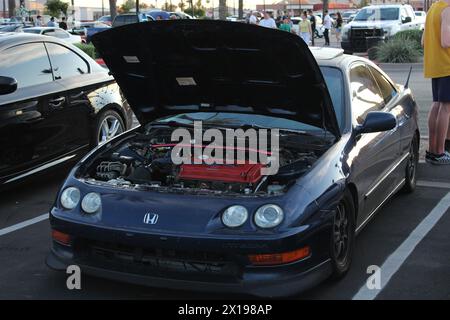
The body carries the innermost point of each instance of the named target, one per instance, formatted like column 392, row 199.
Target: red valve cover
column 238, row 173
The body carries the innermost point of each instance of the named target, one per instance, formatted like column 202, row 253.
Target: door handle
column 57, row 102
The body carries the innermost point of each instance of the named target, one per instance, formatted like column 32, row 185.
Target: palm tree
column 223, row 9
column 113, row 8
column 325, row 7
column 241, row 9
column 11, row 7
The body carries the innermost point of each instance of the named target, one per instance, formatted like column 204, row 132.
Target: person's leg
column 442, row 122
column 447, row 142
column 312, row 35
column 325, row 35
column 432, row 119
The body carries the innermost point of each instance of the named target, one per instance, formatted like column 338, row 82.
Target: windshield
column 375, row 14
column 333, row 78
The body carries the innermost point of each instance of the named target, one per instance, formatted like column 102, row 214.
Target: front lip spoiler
column 277, row 287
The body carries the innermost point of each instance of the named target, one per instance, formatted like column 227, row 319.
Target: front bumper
column 201, row 264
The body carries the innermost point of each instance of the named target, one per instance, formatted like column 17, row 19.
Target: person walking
column 52, row 22
column 252, row 19
column 327, row 24
column 285, row 25
column 436, row 43
column 339, row 22
column 312, row 19
column 267, row 21
column 38, row 22
column 63, row 24
column 305, row 28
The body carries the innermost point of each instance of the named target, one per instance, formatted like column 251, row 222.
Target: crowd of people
column 306, row 26
column 38, row 22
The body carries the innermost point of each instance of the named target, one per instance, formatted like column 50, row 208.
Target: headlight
column 91, row 202
column 70, row 198
column 234, row 216
column 268, row 216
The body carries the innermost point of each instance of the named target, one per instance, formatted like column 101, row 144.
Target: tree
column 241, row 9
column 182, row 5
column 127, row 6
column 325, row 7
column 223, row 11
column 113, row 8
column 56, row 7
column 11, row 7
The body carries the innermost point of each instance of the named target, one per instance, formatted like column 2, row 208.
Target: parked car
column 129, row 18
column 181, row 15
column 52, row 113
column 348, row 141
column 156, row 14
column 421, row 16
column 377, row 23
column 17, row 27
column 106, row 20
column 346, row 16
column 55, row 32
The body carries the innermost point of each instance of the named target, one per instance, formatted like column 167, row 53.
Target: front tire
column 411, row 167
column 343, row 236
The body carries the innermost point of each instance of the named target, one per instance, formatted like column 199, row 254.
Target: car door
column 70, row 71
column 28, row 137
column 375, row 153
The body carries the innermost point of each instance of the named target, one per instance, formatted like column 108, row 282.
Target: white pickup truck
column 377, row 23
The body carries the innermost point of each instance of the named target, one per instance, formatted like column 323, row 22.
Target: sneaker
column 443, row 159
column 429, row 157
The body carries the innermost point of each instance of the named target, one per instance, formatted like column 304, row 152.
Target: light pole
column 137, row 6
column 4, row 8
column 103, row 7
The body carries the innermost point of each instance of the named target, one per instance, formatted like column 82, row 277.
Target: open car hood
column 170, row 67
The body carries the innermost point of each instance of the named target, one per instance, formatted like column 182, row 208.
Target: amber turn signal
column 280, row 258
column 60, row 237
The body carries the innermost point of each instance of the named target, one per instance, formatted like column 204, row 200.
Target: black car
column 348, row 141
column 56, row 103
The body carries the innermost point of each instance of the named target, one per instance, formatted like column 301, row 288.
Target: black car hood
column 171, row 67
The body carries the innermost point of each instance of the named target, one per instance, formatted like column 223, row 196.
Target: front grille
column 359, row 37
column 155, row 261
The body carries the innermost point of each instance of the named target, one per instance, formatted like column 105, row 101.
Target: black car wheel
column 411, row 167
column 343, row 237
column 109, row 125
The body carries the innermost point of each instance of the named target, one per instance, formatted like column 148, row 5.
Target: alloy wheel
column 109, row 128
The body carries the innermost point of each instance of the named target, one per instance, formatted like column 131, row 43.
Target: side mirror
column 406, row 20
column 7, row 85
column 377, row 121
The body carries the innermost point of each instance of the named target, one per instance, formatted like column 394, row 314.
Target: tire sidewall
column 339, row 270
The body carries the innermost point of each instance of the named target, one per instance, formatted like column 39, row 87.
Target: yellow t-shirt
column 436, row 59
column 304, row 25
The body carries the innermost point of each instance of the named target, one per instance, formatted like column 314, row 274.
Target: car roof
column 13, row 38
column 42, row 28
column 322, row 53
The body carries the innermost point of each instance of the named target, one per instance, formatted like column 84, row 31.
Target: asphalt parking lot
column 408, row 239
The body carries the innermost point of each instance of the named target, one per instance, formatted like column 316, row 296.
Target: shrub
column 372, row 53
column 89, row 49
column 398, row 51
column 413, row 35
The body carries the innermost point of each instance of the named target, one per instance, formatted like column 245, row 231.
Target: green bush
column 372, row 53
column 398, row 51
column 413, row 35
column 89, row 49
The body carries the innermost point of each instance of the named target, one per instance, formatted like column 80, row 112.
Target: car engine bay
column 143, row 161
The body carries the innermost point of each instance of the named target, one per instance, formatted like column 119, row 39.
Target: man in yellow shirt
column 436, row 41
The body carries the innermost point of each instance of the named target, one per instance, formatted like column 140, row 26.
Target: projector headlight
column 269, row 216
column 234, row 216
column 91, row 202
column 70, row 198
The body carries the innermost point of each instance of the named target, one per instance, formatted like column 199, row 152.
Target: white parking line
column 23, row 224
column 398, row 257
